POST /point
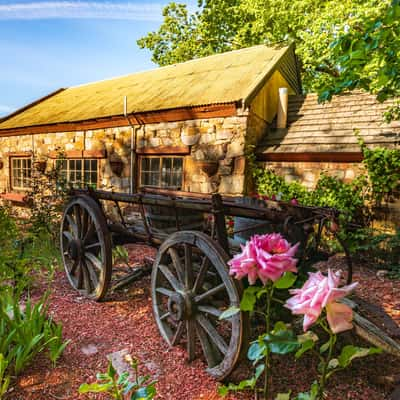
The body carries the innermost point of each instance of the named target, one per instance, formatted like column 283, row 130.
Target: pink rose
column 318, row 292
column 294, row 202
column 266, row 257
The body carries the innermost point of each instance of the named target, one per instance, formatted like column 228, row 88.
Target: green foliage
column 382, row 250
column 23, row 255
column 25, row 331
column 383, row 166
column 246, row 384
column 366, row 54
column 218, row 26
column 278, row 340
column 349, row 198
column 119, row 386
column 120, row 255
column 46, row 198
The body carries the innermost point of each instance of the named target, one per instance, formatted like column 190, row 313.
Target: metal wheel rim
column 211, row 249
column 93, row 225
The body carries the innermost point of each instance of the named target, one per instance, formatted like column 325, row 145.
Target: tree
column 218, row 26
column 367, row 56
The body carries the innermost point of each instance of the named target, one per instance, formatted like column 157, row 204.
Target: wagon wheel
column 191, row 287
column 86, row 247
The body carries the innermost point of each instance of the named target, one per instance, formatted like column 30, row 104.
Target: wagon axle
column 76, row 249
column 180, row 306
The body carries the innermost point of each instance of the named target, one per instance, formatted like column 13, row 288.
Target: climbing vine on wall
column 383, row 167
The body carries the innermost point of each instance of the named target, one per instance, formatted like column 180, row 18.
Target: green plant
column 46, row 198
column 25, row 331
column 278, row 340
column 329, row 362
column 119, row 386
column 24, row 256
column 383, row 166
column 120, row 254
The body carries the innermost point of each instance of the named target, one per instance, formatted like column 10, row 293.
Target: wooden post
column 219, row 221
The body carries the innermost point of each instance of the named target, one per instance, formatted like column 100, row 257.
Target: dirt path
column 125, row 321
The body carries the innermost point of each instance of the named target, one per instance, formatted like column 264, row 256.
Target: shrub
column 25, row 331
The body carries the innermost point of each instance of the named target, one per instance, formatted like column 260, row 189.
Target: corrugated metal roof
column 221, row 78
column 331, row 127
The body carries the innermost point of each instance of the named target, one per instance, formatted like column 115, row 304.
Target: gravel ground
column 125, row 321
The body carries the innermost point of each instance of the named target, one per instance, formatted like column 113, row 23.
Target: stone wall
column 215, row 163
column 113, row 141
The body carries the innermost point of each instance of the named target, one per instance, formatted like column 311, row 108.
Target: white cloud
column 144, row 11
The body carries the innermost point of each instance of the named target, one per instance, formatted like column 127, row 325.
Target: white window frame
column 26, row 181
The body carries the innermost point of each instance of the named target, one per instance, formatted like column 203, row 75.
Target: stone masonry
column 221, row 144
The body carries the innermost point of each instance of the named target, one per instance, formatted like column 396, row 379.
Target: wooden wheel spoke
column 191, row 339
column 85, row 223
column 208, row 350
column 92, row 275
column 202, row 273
column 177, row 263
column 90, row 231
column 73, row 268
column 165, row 316
column 164, row 291
column 73, row 226
column 78, row 218
column 170, row 277
column 212, row 333
column 80, row 276
column 94, row 261
column 86, row 278
column 210, row 310
column 188, row 266
column 92, row 245
column 178, row 333
column 68, row 235
column 209, row 293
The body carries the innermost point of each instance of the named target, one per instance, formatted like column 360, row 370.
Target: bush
column 25, row 331
column 23, row 255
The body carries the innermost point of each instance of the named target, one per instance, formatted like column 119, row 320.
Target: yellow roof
column 221, row 78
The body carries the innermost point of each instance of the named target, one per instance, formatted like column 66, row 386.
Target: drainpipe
column 132, row 187
column 282, row 108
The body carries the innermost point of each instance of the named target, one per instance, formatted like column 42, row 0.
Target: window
column 161, row 172
column 21, row 172
column 79, row 172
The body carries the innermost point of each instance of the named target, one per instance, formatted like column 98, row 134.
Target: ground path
column 125, row 321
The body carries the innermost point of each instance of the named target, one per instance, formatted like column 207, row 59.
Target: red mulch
column 125, row 321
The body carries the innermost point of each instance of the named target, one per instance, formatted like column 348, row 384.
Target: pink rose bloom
column 294, row 202
column 266, row 257
column 322, row 291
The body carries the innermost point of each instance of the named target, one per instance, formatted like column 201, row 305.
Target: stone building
column 184, row 126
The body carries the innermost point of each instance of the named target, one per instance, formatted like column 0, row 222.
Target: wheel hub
column 180, row 306
column 75, row 249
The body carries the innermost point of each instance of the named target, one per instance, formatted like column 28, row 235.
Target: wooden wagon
column 190, row 281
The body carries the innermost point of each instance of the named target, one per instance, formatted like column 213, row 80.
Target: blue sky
column 46, row 45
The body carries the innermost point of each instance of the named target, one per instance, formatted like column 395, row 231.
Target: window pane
column 161, row 172
column 20, row 172
column 166, row 172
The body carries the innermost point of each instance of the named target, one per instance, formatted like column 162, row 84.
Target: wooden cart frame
column 190, row 281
